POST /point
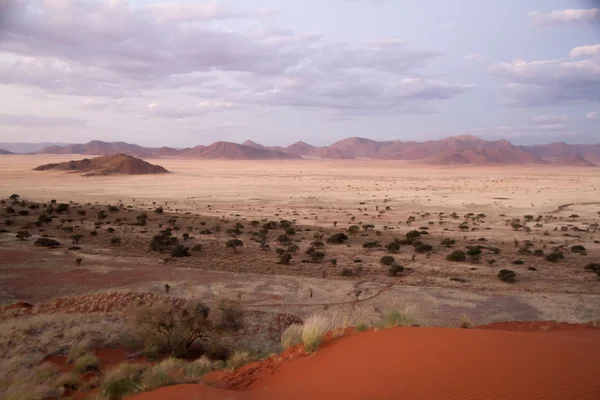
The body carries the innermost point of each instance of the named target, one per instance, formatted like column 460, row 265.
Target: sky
column 185, row 73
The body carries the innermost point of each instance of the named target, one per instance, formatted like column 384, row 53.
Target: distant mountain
column 17, row 147
column 234, row 151
column 300, row 149
column 5, row 152
column 107, row 165
column 456, row 150
column 576, row 161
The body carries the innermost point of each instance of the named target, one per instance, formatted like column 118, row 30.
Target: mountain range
column 456, row 150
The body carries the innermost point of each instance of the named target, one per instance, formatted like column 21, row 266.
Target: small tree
column 234, row 244
column 506, row 275
column 457, row 255
column 337, row 238
column 285, row 258
column 387, row 260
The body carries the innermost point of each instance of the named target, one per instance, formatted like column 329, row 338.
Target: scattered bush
column 180, row 251
column 448, row 242
column 395, row 269
column 506, row 275
column 387, row 260
column 163, row 241
column 46, row 242
column 337, row 238
column 555, row 256
column 423, row 248
column 457, row 255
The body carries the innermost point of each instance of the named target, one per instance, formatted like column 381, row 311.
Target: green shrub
column 448, row 242
column 395, row 269
column 123, row 380
column 506, row 275
column 555, row 256
column 457, row 255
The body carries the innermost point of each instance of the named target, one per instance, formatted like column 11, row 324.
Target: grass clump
column 362, row 327
column 86, row 363
column 395, row 318
column 239, row 359
column 197, row 368
column 165, row 373
column 313, row 330
column 123, row 380
column 292, row 336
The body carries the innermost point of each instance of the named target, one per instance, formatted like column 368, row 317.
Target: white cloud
column 551, row 127
column 585, row 51
column 33, row 121
column 565, row 17
column 547, row 119
column 593, row 115
column 547, row 82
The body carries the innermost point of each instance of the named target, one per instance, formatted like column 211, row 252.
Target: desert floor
column 316, row 193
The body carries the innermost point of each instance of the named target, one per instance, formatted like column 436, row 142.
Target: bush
column 180, row 251
column 538, row 253
column 395, row 269
column 578, row 249
column 594, row 267
column 347, row 272
column 234, row 244
column 387, row 260
column 239, row 359
column 457, row 255
column 23, row 213
column 44, row 218
column 337, row 238
column 86, row 363
column 555, row 256
column 285, row 258
column 23, row 235
column 46, row 242
column 163, row 241
column 116, row 241
column 506, row 275
column 518, row 262
column 423, row 248
column 371, row 245
column 448, row 242
column 393, row 247
column 122, row 380
column 474, row 251
column 413, row 234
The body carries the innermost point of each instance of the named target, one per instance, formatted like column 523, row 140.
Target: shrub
column 347, row 272
column 555, row 256
column 413, row 234
column 396, row 318
column 283, row 239
column 44, row 218
column 122, row 380
column 337, row 238
column 110, row 230
column 285, row 258
column 86, row 363
column 578, row 249
column 197, row 368
column 448, row 242
column 371, row 245
column 518, row 262
column 393, row 247
column 163, row 241
column 23, row 213
column 423, row 248
column 116, row 241
column 387, row 260
column 395, row 269
column 23, row 235
column 538, row 253
column 165, row 373
column 594, row 267
column 361, row 327
column 474, row 251
column 457, row 255
column 158, row 210
column 102, row 215
column 234, row 244
column 238, row 359
column 46, row 242
column 353, row 229
column 506, row 275
column 291, row 336
column 180, row 251
column 313, row 330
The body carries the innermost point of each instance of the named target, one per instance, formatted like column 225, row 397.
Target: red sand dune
column 537, row 361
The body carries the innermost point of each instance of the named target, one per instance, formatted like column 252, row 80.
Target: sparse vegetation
column 457, row 255
column 506, row 275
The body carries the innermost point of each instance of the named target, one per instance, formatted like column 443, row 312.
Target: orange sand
column 537, row 361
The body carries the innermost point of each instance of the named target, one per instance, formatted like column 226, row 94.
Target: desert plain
column 502, row 218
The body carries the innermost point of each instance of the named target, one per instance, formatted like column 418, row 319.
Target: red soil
column 514, row 361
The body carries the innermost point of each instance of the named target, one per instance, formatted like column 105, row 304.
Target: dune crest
column 119, row 164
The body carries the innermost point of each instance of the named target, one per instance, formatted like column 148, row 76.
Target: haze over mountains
column 457, row 150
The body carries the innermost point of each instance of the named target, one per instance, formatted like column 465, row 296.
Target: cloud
column 593, row 115
column 551, row 127
column 134, row 52
column 547, row 82
column 566, row 17
column 184, row 112
column 585, row 51
column 547, row 119
column 32, row 121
